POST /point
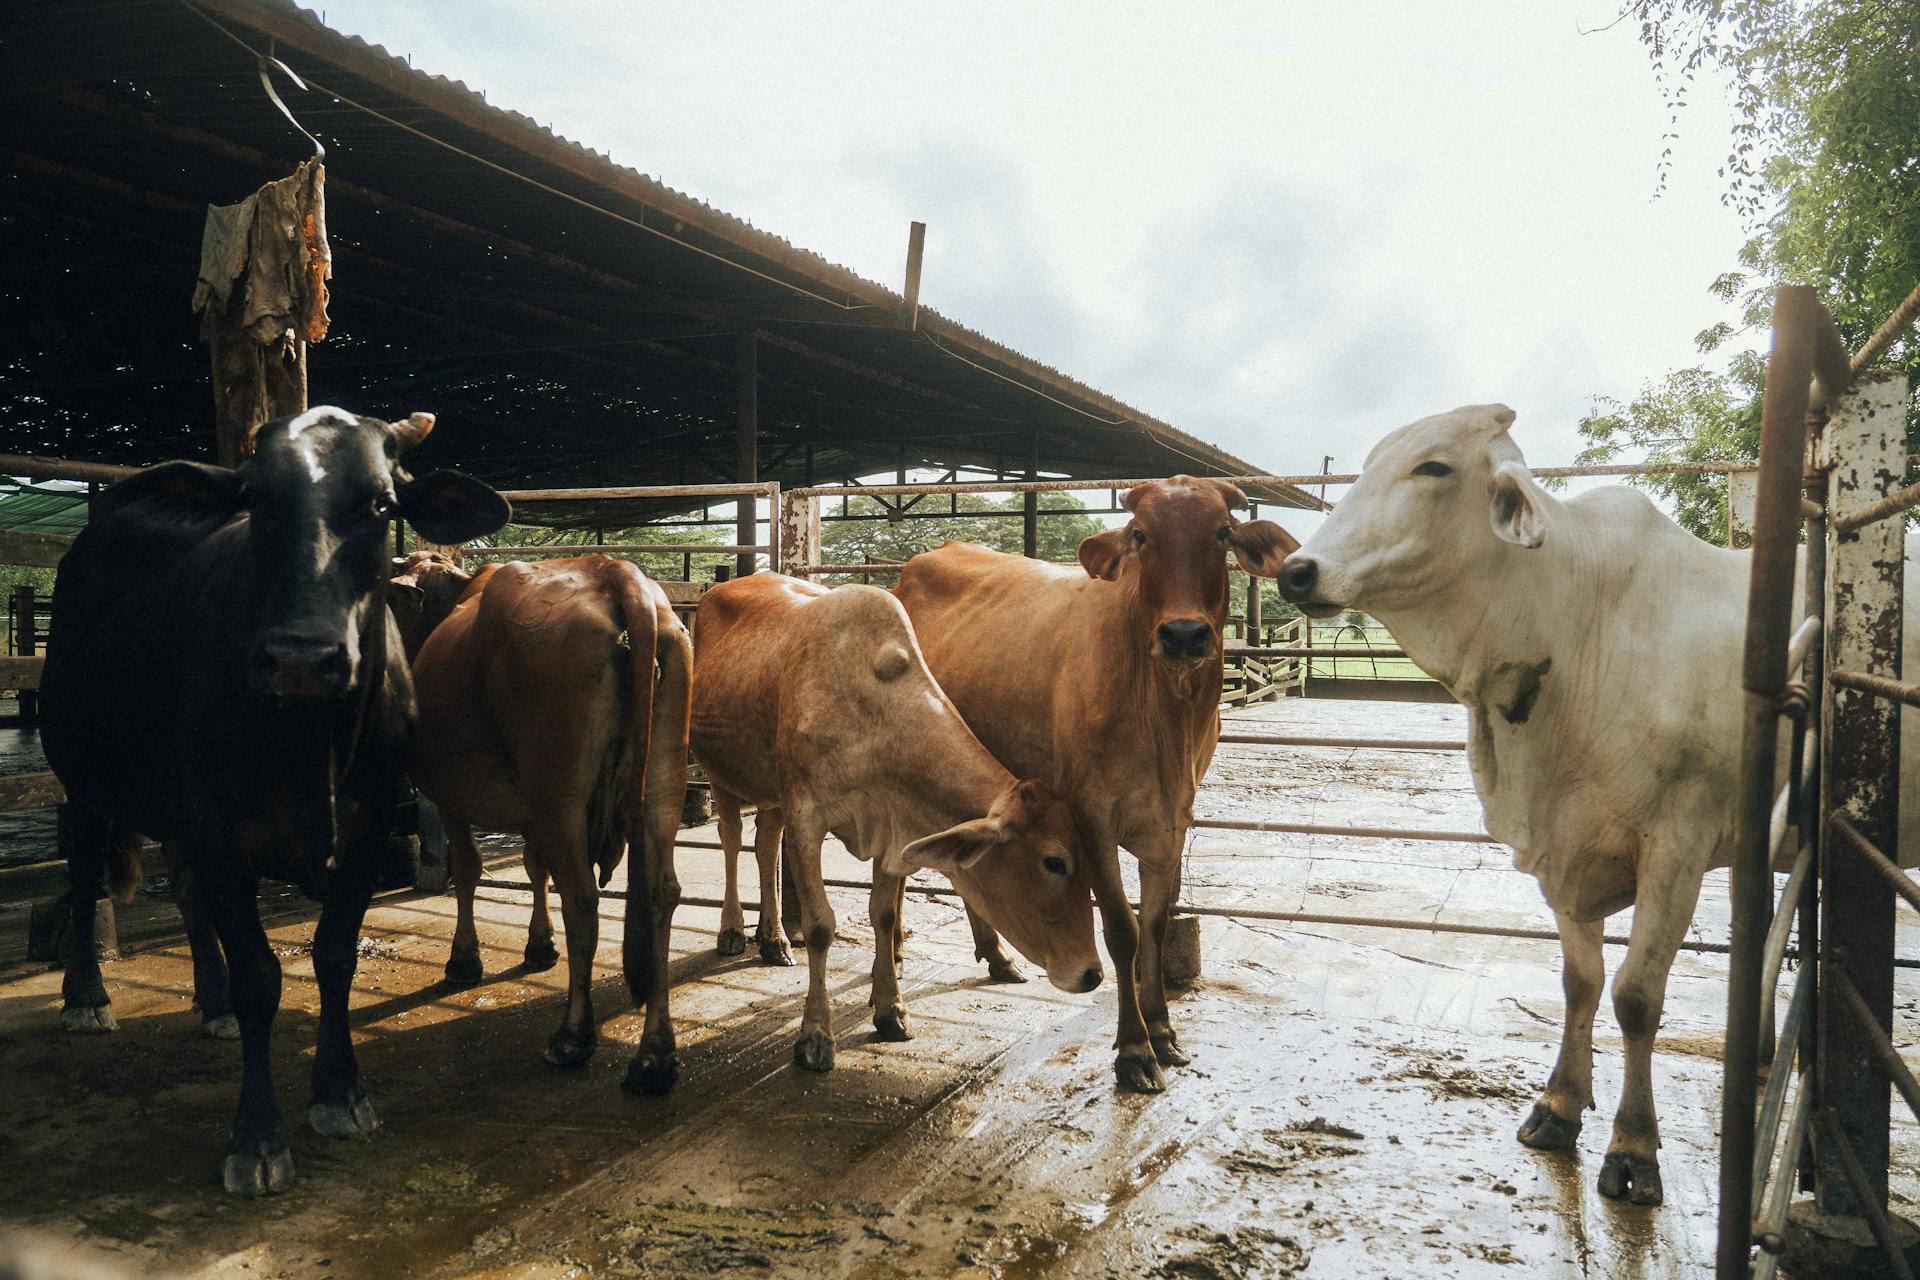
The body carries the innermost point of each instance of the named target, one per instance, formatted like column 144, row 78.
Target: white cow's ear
column 1519, row 511
column 954, row 849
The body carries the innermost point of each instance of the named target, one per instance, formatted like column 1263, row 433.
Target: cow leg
column 986, row 946
column 85, row 1005
column 340, row 1108
column 653, row 891
column 1135, row 1068
column 210, row 989
column 768, row 934
column 733, row 920
column 258, row 1161
column 801, row 855
column 1159, row 887
column 463, row 962
column 790, row 904
column 1555, row 1121
column 883, row 910
column 1663, row 907
column 540, row 954
column 560, row 843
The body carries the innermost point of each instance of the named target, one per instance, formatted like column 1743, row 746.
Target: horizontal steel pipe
column 1874, row 1036
column 809, row 570
column 1308, row 651
column 1880, row 686
column 1891, row 505
column 1321, row 829
column 1899, row 881
column 34, row 467
column 761, row 489
column 555, row 550
column 1369, row 744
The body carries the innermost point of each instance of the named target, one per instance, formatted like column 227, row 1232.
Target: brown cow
column 553, row 702
column 816, row 706
column 1107, row 684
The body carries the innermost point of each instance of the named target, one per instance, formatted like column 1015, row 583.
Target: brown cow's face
column 1175, row 549
column 1024, row 869
column 422, row 592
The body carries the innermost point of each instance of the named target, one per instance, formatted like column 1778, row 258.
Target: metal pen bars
column 1843, row 781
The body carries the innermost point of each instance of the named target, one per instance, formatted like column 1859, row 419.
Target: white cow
column 1597, row 647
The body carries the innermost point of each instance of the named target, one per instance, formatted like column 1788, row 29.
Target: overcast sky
column 1283, row 228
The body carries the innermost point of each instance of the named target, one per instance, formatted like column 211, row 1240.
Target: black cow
column 224, row 674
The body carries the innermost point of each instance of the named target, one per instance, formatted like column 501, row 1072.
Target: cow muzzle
column 1075, row 979
column 302, row 667
column 1183, row 639
column 1299, row 582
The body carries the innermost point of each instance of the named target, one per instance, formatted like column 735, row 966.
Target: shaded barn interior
column 572, row 321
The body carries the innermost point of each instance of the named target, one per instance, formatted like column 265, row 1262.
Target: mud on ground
column 1349, row 1112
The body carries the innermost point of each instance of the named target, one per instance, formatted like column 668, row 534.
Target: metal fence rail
column 1843, row 784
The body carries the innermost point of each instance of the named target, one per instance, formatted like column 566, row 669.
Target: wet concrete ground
column 1349, row 1112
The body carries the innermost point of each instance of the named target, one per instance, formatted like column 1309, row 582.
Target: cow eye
column 1139, row 538
column 383, row 506
column 1226, row 532
column 1433, row 468
column 1055, row 864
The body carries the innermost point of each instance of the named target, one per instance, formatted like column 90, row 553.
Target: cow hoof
column 732, row 942
column 651, row 1074
column 540, row 955
column 1167, row 1051
column 351, row 1119
column 1635, row 1179
column 89, row 1019
column 1544, row 1130
column 891, row 1026
column 223, row 1027
column 565, row 1049
column 1139, row 1074
column 265, row 1168
column 1004, row 971
column 463, row 969
column 813, row 1052
column 774, row 951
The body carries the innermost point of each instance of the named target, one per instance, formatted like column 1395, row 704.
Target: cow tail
column 643, row 639
column 123, row 862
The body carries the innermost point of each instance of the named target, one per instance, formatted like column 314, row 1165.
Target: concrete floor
column 1349, row 1112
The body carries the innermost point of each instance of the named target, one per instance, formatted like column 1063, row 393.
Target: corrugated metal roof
column 34, row 509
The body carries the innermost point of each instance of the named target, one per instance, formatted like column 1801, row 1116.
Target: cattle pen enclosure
column 1376, row 1008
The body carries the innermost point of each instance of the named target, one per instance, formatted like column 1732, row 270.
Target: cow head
column 1174, row 552
column 422, row 591
column 320, row 491
column 1024, row 868
column 1437, row 502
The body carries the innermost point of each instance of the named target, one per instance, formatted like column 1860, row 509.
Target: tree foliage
column 856, row 541
column 1824, row 167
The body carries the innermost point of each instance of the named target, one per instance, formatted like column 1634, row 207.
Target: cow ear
column 1519, row 511
column 450, row 507
column 405, row 595
column 1101, row 554
column 1260, row 546
column 194, row 490
column 954, row 849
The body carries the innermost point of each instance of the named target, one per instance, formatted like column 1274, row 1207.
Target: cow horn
column 416, row 428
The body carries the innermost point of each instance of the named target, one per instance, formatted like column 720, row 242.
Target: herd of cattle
column 241, row 671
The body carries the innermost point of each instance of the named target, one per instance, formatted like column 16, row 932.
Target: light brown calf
column 553, row 702
column 816, row 706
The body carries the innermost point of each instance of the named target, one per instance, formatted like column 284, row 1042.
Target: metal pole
column 1763, row 676
column 1253, row 588
column 1030, row 528
column 746, row 469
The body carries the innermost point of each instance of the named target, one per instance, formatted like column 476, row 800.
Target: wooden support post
column 747, row 444
column 1030, row 527
column 1865, row 450
column 1253, row 588
column 916, row 245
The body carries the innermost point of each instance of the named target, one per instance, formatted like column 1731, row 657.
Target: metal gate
column 1833, row 458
